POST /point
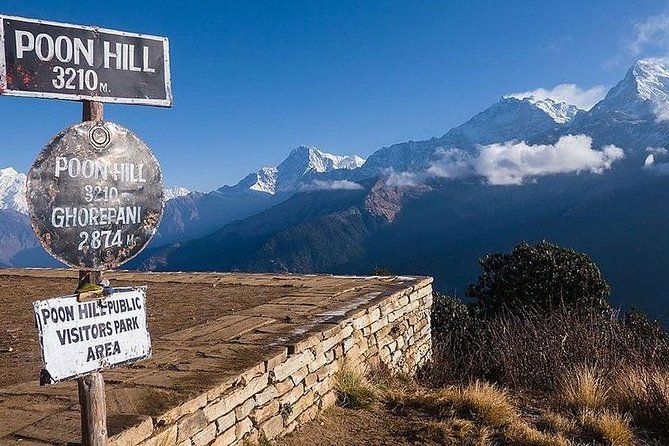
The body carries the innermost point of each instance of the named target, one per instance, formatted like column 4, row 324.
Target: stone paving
column 235, row 356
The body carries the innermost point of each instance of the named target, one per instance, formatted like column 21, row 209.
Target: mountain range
column 522, row 169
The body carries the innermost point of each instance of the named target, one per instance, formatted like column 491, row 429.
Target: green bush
column 541, row 311
column 539, row 277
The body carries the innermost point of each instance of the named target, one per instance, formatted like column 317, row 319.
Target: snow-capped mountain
column 13, row 190
column 439, row 228
column 263, row 181
column 306, row 160
column 560, row 112
column 515, row 119
column 300, row 164
column 634, row 114
column 508, row 119
column 642, row 95
column 174, row 192
column 198, row 214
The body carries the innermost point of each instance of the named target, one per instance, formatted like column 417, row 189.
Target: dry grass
column 522, row 434
column 557, row 423
column 583, row 388
column 644, row 393
column 482, row 413
column 531, row 350
column 608, row 427
column 487, row 403
column 479, row 401
column 354, row 390
column 475, row 414
column 595, row 376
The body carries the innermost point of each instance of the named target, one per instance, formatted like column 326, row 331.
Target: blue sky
column 252, row 81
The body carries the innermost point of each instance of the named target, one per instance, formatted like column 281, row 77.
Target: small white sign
column 82, row 337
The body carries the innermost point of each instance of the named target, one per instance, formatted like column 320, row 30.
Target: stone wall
column 292, row 387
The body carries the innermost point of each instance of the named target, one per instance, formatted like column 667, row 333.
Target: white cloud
column 661, row 112
column 650, row 34
column 513, row 163
column 572, row 94
column 332, row 185
column 405, row 179
column 656, row 150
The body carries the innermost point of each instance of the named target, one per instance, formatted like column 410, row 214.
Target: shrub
column 487, row 403
column 522, row 434
column 608, row 427
column 353, row 390
column 644, row 393
column 479, row 401
column 583, row 388
column 556, row 423
column 541, row 277
column 535, row 350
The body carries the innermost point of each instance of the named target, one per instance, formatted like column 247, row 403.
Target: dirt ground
column 375, row 426
column 171, row 307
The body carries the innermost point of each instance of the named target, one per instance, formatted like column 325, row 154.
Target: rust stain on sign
column 95, row 195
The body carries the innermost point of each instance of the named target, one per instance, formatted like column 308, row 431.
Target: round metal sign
column 95, row 195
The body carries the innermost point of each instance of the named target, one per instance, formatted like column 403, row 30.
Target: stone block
column 188, row 407
column 205, row 436
column 272, row 362
column 272, row 428
column 349, row 343
column 130, row 436
column 310, row 380
column 309, row 414
column 263, row 413
column 323, row 387
column 293, row 395
column 166, row 436
column 225, row 422
column 347, row 331
column 266, row 395
column 243, row 428
column 190, row 425
column 226, row 438
column 317, row 363
column 235, row 397
column 361, row 322
column 328, row 400
column 298, row 376
column 245, row 409
column 284, row 386
column 330, row 342
column 292, row 365
column 300, row 405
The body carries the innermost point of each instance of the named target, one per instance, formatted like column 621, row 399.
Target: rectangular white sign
column 82, row 337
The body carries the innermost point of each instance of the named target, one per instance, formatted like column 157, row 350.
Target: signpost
column 95, row 193
column 104, row 195
column 82, row 337
column 62, row 61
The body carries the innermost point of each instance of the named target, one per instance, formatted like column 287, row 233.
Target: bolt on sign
column 82, row 337
column 95, row 195
column 62, row 61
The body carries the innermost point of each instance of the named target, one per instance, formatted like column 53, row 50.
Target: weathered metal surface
column 83, row 337
column 62, row 61
column 95, row 195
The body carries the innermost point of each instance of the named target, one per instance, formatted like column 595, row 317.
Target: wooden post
column 92, row 386
column 92, row 111
column 93, row 410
